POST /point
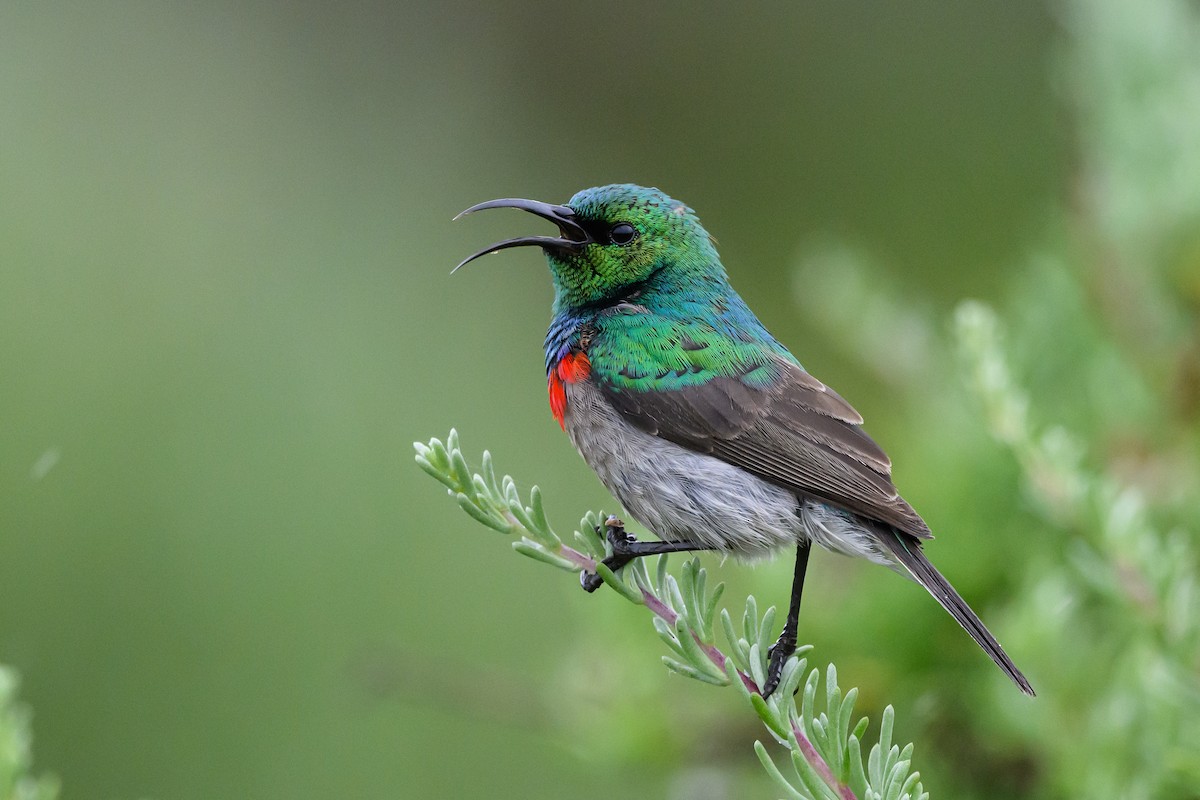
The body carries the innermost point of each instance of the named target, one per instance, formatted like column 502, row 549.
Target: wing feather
column 793, row 431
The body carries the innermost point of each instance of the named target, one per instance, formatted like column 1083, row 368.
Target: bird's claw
column 617, row 537
column 590, row 581
column 618, row 542
column 777, row 658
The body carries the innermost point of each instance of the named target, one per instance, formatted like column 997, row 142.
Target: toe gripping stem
column 625, row 548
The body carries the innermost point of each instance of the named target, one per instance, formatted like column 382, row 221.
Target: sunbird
column 704, row 427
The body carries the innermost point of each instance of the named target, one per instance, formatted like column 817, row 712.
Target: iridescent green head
column 613, row 238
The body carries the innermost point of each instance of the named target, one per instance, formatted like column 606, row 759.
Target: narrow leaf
column 436, row 473
column 482, row 516
column 462, row 472
column 811, row 778
column 622, row 588
column 527, row 547
column 773, row 723
column 691, row 672
column 774, row 772
column 539, row 516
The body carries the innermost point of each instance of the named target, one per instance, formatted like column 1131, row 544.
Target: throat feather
column 571, row 368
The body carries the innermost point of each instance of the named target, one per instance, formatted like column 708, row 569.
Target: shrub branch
column 826, row 753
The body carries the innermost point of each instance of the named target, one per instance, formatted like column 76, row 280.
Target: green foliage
column 1091, row 385
column 15, row 755
column 1120, row 655
column 825, row 751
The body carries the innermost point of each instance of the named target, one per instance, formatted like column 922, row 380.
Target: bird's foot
column 619, row 541
column 617, row 537
column 777, row 657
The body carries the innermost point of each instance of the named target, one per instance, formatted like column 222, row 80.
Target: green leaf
column 750, row 620
column 462, row 473
column 622, row 588
column 539, row 515
column 766, row 630
column 667, row 634
column 589, row 528
column 793, row 671
column 885, row 729
column 584, row 545
column 537, row 552
column 757, row 666
column 430, row 469
column 710, row 611
column 489, row 475
column 812, row 780
column 693, row 652
column 910, row 785
column 525, row 518
column 482, row 516
column 775, row 774
column 773, row 723
column 691, row 672
column 857, row 780
column 732, row 638
column 441, row 458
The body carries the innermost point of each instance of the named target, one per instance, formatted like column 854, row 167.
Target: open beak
column 572, row 236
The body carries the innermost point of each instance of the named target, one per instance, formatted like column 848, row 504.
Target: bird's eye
column 622, row 233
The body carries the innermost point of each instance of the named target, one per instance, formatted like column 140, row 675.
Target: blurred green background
column 225, row 314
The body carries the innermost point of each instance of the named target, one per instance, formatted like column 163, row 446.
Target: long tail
column 909, row 554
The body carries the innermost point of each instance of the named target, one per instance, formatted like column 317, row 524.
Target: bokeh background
column 226, row 313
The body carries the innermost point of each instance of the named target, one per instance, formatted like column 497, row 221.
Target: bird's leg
column 783, row 648
column 626, row 548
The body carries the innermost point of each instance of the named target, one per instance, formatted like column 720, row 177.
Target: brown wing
column 796, row 433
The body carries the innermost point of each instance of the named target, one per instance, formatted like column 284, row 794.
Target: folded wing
column 782, row 425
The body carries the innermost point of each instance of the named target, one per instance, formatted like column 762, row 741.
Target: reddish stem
column 571, row 554
column 665, row 613
column 659, row 608
column 814, row 758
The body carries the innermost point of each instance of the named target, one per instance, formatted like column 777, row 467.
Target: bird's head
column 611, row 240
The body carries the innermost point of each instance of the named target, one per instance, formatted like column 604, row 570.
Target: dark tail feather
column 909, row 554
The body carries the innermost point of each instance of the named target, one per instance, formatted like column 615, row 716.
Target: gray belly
column 679, row 494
